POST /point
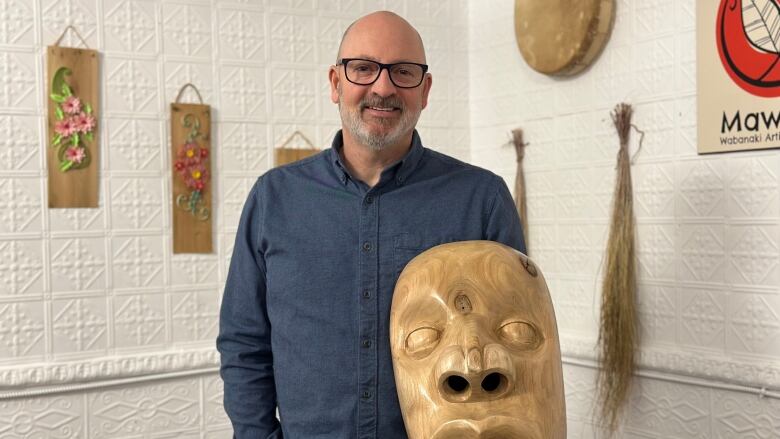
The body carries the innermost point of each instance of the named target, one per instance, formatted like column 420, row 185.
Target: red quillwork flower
column 190, row 166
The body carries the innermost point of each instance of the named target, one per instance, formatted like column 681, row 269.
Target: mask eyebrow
column 424, row 307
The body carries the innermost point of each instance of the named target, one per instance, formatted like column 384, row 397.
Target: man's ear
column 426, row 85
column 334, row 79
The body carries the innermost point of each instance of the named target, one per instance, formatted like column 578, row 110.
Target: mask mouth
column 492, row 427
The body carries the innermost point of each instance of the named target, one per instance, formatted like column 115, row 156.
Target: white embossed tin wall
column 89, row 295
column 708, row 226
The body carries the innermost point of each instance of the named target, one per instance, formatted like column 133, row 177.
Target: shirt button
column 366, row 343
column 366, row 294
column 366, row 394
column 366, row 246
column 369, row 199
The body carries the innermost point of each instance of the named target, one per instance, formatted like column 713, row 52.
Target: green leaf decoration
column 57, row 139
column 89, row 136
column 66, row 91
column 59, row 79
column 57, row 98
column 59, row 113
column 194, row 200
column 61, row 152
column 88, row 108
column 64, row 166
column 86, row 161
column 75, row 139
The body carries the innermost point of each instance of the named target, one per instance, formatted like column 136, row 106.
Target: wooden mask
column 475, row 346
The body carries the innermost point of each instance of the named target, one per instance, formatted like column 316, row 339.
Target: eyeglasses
column 366, row 72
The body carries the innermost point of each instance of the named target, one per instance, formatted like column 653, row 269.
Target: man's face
column 380, row 114
column 475, row 346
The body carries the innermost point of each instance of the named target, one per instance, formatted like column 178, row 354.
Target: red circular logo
column 748, row 36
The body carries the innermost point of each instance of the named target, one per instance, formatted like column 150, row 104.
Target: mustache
column 378, row 101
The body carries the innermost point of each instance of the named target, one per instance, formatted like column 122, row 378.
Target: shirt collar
column 403, row 167
column 335, row 147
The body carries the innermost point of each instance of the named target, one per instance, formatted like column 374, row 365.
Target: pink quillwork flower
column 76, row 155
column 65, row 127
column 72, row 105
column 84, row 122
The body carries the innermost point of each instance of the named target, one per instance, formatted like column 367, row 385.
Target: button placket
column 368, row 324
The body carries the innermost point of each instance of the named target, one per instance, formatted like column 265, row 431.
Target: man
column 305, row 316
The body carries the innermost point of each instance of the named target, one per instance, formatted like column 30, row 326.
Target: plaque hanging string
column 70, row 27
column 183, row 87
column 292, row 136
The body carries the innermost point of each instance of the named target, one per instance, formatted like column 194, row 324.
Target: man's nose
column 383, row 86
column 473, row 372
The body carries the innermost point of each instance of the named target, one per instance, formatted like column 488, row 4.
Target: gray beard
column 353, row 123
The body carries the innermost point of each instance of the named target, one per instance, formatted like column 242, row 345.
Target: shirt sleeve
column 244, row 340
column 503, row 223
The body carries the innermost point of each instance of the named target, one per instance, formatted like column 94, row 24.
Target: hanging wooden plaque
column 283, row 156
column 191, row 157
column 284, row 153
column 73, row 108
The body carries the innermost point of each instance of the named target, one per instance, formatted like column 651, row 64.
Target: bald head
column 383, row 28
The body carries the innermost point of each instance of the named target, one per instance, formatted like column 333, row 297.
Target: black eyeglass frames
column 366, row 72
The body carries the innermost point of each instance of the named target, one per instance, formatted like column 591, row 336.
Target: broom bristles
column 618, row 331
column 520, row 196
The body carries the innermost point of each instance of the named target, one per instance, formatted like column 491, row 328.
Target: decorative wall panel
column 21, row 274
column 145, row 409
column 57, row 417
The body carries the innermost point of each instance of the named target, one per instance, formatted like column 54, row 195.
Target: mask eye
column 422, row 341
column 520, row 335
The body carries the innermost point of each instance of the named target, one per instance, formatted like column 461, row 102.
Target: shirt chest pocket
column 408, row 245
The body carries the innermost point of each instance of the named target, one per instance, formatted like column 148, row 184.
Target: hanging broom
column 520, row 203
column 618, row 328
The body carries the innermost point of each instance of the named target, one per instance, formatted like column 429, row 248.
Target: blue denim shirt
column 305, row 316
